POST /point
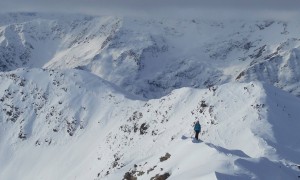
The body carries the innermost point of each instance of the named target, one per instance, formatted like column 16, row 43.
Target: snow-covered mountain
column 152, row 57
column 88, row 97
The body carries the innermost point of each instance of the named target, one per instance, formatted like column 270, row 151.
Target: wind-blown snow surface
column 69, row 124
column 86, row 97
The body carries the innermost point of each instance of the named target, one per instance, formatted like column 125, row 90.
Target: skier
column 197, row 129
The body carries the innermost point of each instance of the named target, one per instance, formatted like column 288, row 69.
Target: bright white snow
column 118, row 98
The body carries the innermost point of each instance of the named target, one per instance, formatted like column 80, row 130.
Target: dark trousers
column 197, row 134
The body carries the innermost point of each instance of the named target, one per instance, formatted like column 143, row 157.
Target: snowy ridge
column 152, row 57
column 88, row 97
column 103, row 133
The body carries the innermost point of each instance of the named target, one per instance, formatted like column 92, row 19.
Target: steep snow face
column 152, row 57
column 58, row 100
column 34, row 40
column 281, row 68
column 70, row 124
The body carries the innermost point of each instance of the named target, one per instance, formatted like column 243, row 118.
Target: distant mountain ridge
column 151, row 57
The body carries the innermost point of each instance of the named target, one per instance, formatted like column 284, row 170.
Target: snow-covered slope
column 152, row 57
column 88, row 97
column 69, row 124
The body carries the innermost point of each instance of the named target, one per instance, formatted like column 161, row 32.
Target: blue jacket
column 197, row 127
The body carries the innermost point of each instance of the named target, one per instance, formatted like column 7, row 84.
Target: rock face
column 86, row 97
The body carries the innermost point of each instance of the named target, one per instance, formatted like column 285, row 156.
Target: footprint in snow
column 194, row 140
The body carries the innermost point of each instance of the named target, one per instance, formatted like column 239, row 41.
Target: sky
column 156, row 7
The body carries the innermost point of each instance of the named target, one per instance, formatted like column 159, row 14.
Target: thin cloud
column 171, row 8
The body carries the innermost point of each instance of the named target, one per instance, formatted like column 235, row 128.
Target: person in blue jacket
column 197, row 129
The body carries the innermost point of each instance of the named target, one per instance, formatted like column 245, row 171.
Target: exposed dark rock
column 161, row 177
column 259, row 52
column 143, row 128
column 203, row 104
column 135, row 116
column 22, row 135
column 37, row 143
column 240, row 75
column 116, row 161
column 151, row 169
column 129, row 176
column 164, row 158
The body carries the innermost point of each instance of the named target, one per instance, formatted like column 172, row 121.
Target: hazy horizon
column 167, row 8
